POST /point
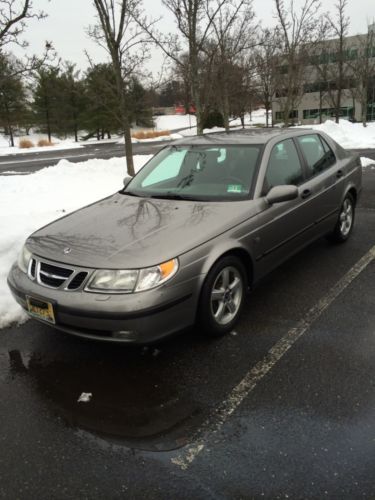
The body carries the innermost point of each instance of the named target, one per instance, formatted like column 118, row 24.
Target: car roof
column 256, row 136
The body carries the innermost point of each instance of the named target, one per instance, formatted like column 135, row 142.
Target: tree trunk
column 128, row 147
column 195, row 88
column 225, row 109
column 338, row 106
column 267, row 106
column 364, row 106
column 49, row 133
column 75, row 128
column 320, row 106
column 121, row 93
column 10, row 129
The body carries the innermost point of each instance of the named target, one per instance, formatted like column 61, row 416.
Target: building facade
column 317, row 98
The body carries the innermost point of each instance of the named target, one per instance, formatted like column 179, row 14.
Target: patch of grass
column 25, row 144
column 42, row 143
column 150, row 134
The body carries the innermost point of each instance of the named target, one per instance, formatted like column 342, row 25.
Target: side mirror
column 278, row 194
column 126, row 180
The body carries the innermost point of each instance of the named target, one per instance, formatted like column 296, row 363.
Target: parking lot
column 283, row 407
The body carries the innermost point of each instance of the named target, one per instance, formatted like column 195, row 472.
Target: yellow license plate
column 41, row 310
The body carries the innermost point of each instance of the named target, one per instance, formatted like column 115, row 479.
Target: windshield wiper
column 131, row 193
column 170, row 196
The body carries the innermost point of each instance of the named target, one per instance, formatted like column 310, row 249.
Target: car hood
column 127, row 232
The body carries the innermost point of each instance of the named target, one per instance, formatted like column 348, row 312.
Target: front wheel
column 345, row 222
column 222, row 296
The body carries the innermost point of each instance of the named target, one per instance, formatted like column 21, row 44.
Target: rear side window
column 284, row 166
column 317, row 153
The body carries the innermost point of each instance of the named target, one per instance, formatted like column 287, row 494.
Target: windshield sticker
column 234, row 188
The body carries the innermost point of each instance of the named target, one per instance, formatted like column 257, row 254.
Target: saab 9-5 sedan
column 199, row 225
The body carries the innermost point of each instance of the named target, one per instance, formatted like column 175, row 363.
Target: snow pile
column 349, row 135
column 28, row 202
column 58, row 145
column 366, row 162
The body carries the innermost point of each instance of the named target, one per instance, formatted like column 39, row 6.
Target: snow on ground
column 173, row 122
column 193, row 131
column 170, row 137
column 28, row 202
column 58, row 145
column 349, row 135
column 257, row 117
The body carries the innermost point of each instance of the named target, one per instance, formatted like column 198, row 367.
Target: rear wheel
column 222, row 296
column 345, row 222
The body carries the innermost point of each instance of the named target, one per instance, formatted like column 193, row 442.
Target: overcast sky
column 68, row 19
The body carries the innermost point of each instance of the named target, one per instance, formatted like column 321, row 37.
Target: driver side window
column 284, row 166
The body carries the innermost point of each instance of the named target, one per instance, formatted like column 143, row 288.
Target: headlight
column 154, row 276
column 24, row 259
column 128, row 281
column 120, row 281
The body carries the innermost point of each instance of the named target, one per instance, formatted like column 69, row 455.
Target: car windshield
column 198, row 173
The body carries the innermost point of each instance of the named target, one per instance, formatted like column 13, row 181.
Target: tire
column 228, row 283
column 345, row 222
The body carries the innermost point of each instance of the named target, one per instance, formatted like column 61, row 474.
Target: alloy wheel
column 346, row 217
column 226, row 295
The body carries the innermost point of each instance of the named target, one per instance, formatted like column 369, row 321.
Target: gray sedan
column 186, row 238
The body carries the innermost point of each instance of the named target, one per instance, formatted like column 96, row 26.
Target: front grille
column 56, row 276
column 77, row 281
column 33, row 268
column 58, row 271
column 52, row 282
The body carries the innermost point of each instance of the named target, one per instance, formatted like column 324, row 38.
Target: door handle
column 339, row 174
column 305, row 193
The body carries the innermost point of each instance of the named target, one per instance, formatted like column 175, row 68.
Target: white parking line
column 214, row 423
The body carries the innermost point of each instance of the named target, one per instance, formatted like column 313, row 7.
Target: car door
column 283, row 227
column 323, row 179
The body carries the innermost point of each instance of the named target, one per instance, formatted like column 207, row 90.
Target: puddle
column 137, row 401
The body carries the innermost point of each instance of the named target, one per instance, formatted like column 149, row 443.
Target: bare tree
column 14, row 15
column 300, row 31
column 363, row 70
column 194, row 20
column 119, row 34
column 234, row 34
column 339, row 25
column 266, row 62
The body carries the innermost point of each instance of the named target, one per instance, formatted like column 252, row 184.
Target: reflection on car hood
column 127, row 232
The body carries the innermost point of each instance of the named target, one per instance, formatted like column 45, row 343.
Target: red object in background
column 180, row 109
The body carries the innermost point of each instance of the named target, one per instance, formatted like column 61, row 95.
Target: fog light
column 125, row 335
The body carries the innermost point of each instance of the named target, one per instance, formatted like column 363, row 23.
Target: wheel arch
column 353, row 192
column 236, row 250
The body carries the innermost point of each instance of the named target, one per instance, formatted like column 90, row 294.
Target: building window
column 309, row 114
column 292, row 115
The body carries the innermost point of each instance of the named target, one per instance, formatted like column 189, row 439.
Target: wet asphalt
column 307, row 430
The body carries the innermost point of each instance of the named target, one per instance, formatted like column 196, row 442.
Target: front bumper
column 131, row 318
